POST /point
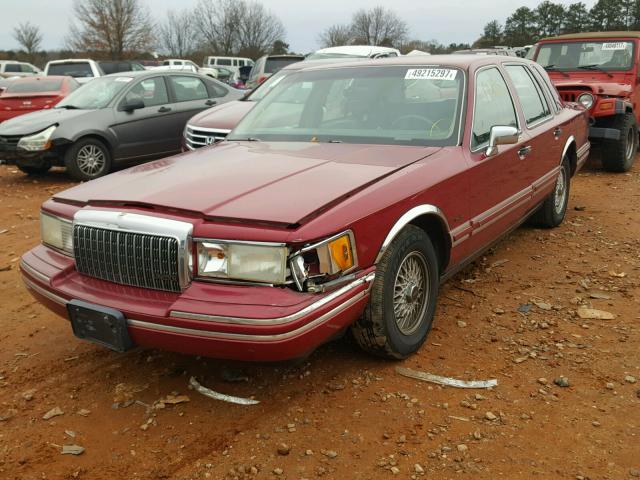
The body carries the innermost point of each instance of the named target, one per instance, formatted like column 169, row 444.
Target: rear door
column 541, row 155
column 190, row 95
column 149, row 131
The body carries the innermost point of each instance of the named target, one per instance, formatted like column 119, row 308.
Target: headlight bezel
column 232, row 247
column 60, row 240
column 591, row 103
column 37, row 142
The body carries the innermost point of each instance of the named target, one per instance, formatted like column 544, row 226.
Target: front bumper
column 15, row 156
column 600, row 133
column 253, row 323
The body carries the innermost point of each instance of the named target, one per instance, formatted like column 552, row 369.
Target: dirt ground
column 341, row 414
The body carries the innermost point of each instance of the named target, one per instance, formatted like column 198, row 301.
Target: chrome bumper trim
column 34, row 273
column 247, row 337
column 280, row 320
column 45, row 293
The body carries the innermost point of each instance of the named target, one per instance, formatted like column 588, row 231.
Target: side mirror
column 501, row 135
column 133, row 104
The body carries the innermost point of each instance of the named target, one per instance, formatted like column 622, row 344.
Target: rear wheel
column 619, row 155
column 87, row 159
column 403, row 297
column 553, row 210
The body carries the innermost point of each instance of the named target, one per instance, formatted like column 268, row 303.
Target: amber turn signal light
column 341, row 252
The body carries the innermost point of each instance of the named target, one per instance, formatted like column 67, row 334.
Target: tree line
column 525, row 26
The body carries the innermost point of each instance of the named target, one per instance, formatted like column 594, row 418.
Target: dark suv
column 600, row 71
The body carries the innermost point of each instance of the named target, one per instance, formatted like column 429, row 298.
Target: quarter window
column 493, row 106
column 533, row 102
column 12, row 67
column 188, row 88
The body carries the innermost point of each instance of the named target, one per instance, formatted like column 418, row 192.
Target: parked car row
column 344, row 194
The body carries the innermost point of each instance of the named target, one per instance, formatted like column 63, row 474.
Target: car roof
column 461, row 61
column 576, row 36
column 71, row 60
column 362, row 50
column 155, row 72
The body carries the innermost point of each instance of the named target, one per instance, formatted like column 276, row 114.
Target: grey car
column 114, row 120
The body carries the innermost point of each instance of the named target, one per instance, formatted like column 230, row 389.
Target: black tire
column 378, row 331
column 619, row 155
column 553, row 210
column 34, row 170
column 88, row 158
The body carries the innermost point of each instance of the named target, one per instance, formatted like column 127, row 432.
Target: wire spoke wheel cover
column 411, row 292
column 91, row 160
column 560, row 192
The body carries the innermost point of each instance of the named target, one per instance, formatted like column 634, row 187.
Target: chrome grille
column 196, row 137
column 128, row 258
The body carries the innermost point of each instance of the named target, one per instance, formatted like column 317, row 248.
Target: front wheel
column 403, row 297
column 554, row 208
column 619, row 155
column 87, row 159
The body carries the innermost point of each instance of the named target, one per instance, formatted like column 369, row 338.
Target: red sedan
column 342, row 200
column 25, row 95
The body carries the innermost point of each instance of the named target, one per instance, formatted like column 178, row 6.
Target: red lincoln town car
column 342, row 199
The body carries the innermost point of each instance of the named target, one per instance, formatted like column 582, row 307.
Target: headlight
column 251, row 262
column 37, row 142
column 56, row 232
column 323, row 260
column 586, row 99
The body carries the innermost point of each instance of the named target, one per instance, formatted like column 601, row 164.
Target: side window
column 493, row 106
column 26, row 68
column 188, row 88
column 546, row 88
column 152, row 91
column 555, row 95
column 224, row 61
column 534, row 105
column 12, row 67
column 217, row 90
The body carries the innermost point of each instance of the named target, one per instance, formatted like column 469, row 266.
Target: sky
column 447, row 21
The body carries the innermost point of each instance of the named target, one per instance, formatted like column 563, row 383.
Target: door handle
column 211, row 102
column 524, row 151
column 557, row 132
column 164, row 109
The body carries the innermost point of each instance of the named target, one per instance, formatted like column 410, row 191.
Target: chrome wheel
column 631, row 144
column 560, row 193
column 410, row 292
column 91, row 160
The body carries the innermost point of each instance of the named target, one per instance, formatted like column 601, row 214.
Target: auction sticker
column 614, row 46
column 431, row 74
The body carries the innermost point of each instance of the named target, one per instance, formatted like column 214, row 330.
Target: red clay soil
column 342, row 414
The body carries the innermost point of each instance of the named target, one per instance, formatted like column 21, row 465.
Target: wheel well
column 573, row 157
column 435, row 227
column 96, row 137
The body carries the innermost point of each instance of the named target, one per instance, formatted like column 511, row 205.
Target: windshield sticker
column 614, row 46
column 123, row 79
column 431, row 74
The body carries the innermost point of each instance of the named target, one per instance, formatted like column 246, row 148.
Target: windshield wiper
column 68, row 107
column 595, row 67
column 248, row 139
column 553, row 68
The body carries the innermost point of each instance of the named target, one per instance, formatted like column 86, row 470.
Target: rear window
column 34, row 86
column 76, row 70
column 275, row 64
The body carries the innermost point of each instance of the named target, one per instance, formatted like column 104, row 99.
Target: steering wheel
column 428, row 123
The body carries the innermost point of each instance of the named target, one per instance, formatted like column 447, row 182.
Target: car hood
column 225, row 116
column 615, row 89
column 37, row 121
column 279, row 183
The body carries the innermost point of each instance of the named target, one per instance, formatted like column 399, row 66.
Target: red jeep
column 600, row 71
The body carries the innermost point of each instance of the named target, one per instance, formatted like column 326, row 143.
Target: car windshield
column 265, row 87
column 71, row 69
column 96, row 94
column 606, row 55
column 272, row 65
column 395, row 105
column 34, row 86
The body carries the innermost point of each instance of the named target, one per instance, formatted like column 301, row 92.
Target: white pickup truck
column 188, row 65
